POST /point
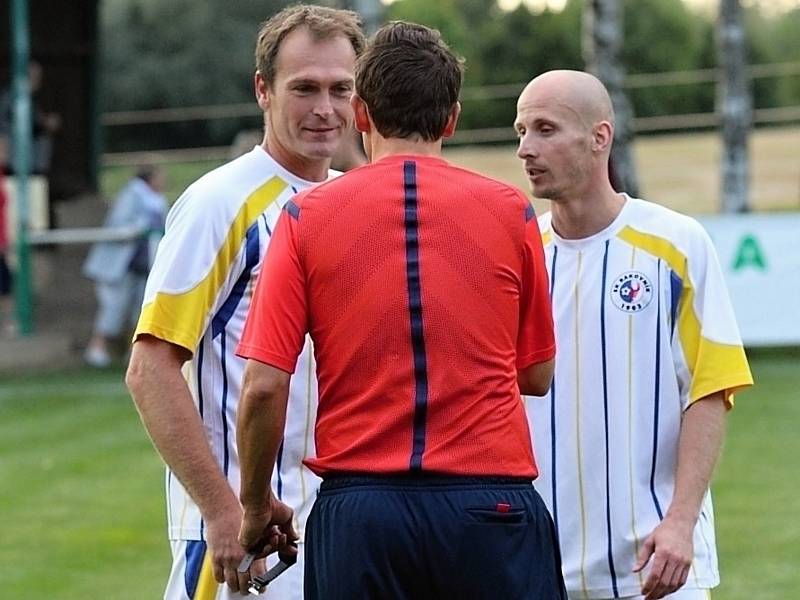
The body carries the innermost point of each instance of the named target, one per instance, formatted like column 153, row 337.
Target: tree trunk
column 735, row 104
column 602, row 41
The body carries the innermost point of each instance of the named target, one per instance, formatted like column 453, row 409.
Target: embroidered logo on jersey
column 631, row 292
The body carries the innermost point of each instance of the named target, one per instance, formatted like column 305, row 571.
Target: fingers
column 653, row 584
column 258, row 568
column 645, row 553
column 243, row 581
column 667, row 575
column 226, row 571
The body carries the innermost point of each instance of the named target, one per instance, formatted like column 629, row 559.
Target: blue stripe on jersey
column 200, row 404
column 252, row 255
column 656, row 394
column 415, row 313
column 278, row 468
column 195, row 552
column 676, row 287
column 226, row 454
column 553, row 471
column 266, row 225
column 529, row 212
column 611, row 569
column 292, row 209
column 200, row 377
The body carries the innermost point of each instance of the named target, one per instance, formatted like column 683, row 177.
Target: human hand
column 269, row 529
column 671, row 547
column 226, row 553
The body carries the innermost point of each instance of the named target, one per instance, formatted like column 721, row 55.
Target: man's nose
column 323, row 107
column 526, row 147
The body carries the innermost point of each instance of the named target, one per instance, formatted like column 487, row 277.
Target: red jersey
column 424, row 289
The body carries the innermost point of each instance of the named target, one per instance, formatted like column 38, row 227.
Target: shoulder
column 669, row 234
column 485, row 183
column 222, row 192
column 663, row 222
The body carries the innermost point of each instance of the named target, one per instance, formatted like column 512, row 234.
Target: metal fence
column 658, row 123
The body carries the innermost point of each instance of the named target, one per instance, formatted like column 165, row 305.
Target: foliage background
column 184, row 53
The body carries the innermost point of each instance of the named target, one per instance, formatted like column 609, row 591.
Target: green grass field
column 82, row 511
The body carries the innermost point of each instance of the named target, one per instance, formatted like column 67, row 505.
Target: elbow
column 535, row 388
column 536, row 379
column 135, row 377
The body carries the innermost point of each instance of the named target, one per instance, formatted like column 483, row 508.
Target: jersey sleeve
column 196, row 261
column 707, row 331
column 536, row 338
column 277, row 322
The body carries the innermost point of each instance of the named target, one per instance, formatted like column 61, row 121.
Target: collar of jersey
column 610, row 231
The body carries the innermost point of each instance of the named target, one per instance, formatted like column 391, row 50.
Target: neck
column 584, row 215
column 310, row 169
column 380, row 147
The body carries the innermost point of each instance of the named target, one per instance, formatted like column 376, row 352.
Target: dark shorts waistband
column 420, row 480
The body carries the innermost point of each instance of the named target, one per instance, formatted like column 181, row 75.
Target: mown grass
column 83, row 516
column 81, row 502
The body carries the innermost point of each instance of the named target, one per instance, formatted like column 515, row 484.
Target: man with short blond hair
column 199, row 291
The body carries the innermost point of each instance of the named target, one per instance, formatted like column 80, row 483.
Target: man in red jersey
column 424, row 289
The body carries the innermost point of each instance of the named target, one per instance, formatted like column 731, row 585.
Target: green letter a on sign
column 749, row 254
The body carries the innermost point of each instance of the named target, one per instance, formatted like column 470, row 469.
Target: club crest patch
column 631, row 292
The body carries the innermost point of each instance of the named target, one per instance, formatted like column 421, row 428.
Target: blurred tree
column 184, row 53
column 179, row 53
column 785, row 42
column 664, row 35
column 603, row 37
column 735, row 105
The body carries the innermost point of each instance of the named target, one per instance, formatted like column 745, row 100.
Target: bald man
column 649, row 356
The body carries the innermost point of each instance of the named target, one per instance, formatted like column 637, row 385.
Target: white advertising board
column 760, row 257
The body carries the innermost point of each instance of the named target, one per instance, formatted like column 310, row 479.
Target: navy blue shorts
column 431, row 537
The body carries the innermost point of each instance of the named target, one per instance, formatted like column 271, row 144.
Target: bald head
column 580, row 93
column 565, row 124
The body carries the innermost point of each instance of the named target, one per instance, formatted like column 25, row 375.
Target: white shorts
column 694, row 594
column 192, row 578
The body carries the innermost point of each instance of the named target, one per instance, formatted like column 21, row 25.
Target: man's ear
column 361, row 118
column 262, row 91
column 452, row 119
column 602, row 136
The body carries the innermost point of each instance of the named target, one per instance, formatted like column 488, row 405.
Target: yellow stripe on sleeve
column 206, row 584
column 182, row 318
column 713, row 366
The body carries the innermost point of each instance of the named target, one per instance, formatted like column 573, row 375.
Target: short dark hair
column 409, row 80
column 147, row 172
column 321, row 21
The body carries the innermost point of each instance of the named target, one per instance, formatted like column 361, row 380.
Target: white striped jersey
column 644, row 327
column 197, row 297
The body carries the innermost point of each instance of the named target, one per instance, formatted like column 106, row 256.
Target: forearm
column 260, row 425
column 168, row 413
column 699, row 445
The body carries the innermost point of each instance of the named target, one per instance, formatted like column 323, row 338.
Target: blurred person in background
column 7, row 323
column 45, row 124
column 183, row 375
column 649, row 357
column 119, row 268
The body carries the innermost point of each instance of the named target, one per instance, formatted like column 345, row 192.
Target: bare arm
column 535, row 379
column 670, row 544
column 260, row 425
column 168, row 413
